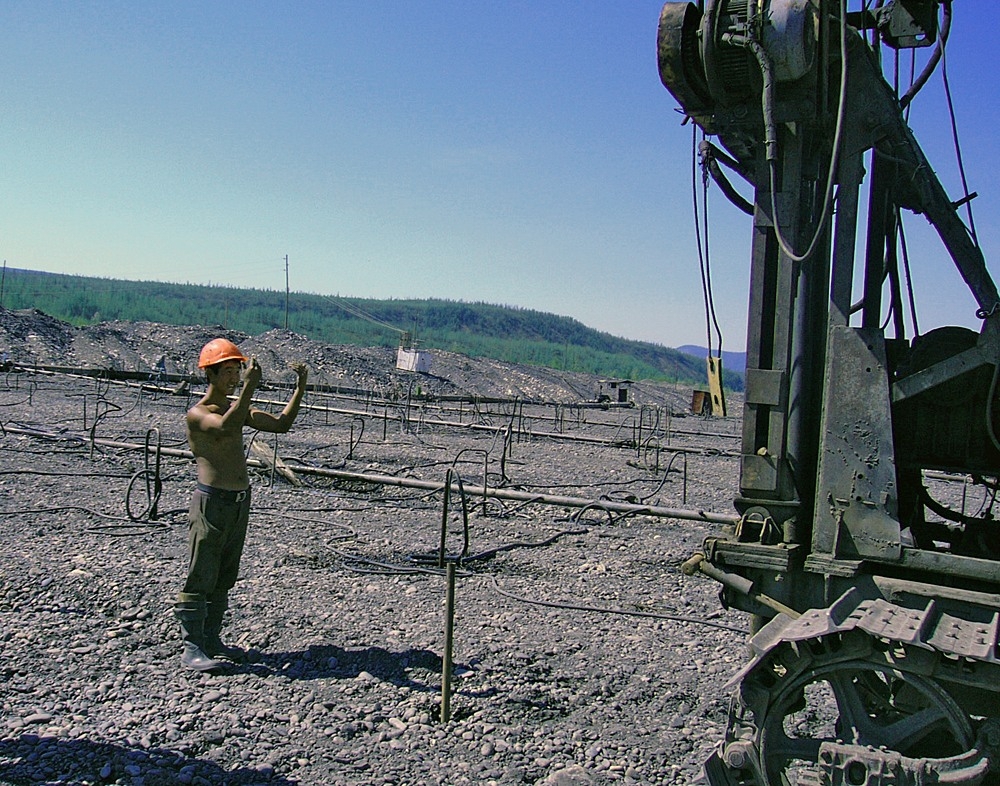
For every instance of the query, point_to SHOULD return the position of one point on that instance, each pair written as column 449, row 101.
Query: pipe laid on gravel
column 129, row 378
column 427, row 485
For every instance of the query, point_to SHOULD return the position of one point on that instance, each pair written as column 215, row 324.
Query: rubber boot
column 216, row 607
column 190, row 611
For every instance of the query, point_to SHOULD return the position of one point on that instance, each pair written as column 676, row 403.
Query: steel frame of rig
column 876, row 607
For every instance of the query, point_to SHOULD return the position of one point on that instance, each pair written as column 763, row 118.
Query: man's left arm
column 281, row 423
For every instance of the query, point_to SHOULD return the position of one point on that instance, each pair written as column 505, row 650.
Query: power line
column 360, row 313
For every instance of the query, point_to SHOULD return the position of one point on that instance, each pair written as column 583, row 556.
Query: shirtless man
column 220, row 506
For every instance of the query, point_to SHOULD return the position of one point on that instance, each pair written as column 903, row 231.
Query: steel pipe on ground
column 427, row 485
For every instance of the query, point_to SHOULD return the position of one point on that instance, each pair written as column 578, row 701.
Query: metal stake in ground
column 449, row 630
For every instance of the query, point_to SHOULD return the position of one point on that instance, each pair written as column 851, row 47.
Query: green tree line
column 476, row 329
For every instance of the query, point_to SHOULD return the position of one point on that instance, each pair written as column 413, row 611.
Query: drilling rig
column 875, row 606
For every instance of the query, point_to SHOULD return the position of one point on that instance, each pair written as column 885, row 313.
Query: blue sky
column 518, row 153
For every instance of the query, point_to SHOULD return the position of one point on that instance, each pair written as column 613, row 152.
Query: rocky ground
column 581, row 653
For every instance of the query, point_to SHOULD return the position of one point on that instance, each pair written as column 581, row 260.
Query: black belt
column 224, row 494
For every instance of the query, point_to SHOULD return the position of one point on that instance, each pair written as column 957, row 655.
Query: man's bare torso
column 219, row 455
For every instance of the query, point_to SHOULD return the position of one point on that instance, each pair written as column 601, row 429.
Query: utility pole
column 286, row 291
column 3, row 278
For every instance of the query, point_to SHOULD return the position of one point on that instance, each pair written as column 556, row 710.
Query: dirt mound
column 29, row 337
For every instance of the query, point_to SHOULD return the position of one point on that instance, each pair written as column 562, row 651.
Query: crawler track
column 867, row 692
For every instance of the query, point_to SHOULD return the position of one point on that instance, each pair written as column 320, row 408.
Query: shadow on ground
column 29, row 759
column 332, row 662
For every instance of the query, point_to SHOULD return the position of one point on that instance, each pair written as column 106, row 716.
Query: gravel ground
column 581, row 653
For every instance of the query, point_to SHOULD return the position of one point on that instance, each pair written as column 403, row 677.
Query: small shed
column 409, row 358
column 701, row 402
column 412, row 360
column 614, row 390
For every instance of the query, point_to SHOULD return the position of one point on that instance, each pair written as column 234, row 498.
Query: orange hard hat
column 218, row 350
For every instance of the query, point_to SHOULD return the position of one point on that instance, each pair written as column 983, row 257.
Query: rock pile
column 31, row 337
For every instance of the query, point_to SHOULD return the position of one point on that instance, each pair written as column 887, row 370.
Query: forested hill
column 477, row 329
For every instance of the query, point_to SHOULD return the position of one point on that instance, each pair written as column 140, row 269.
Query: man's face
column 227, row 375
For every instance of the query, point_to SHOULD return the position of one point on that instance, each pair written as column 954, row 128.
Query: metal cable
column 615, row 611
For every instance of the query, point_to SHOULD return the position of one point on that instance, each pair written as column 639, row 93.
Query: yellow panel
column 715, row 386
